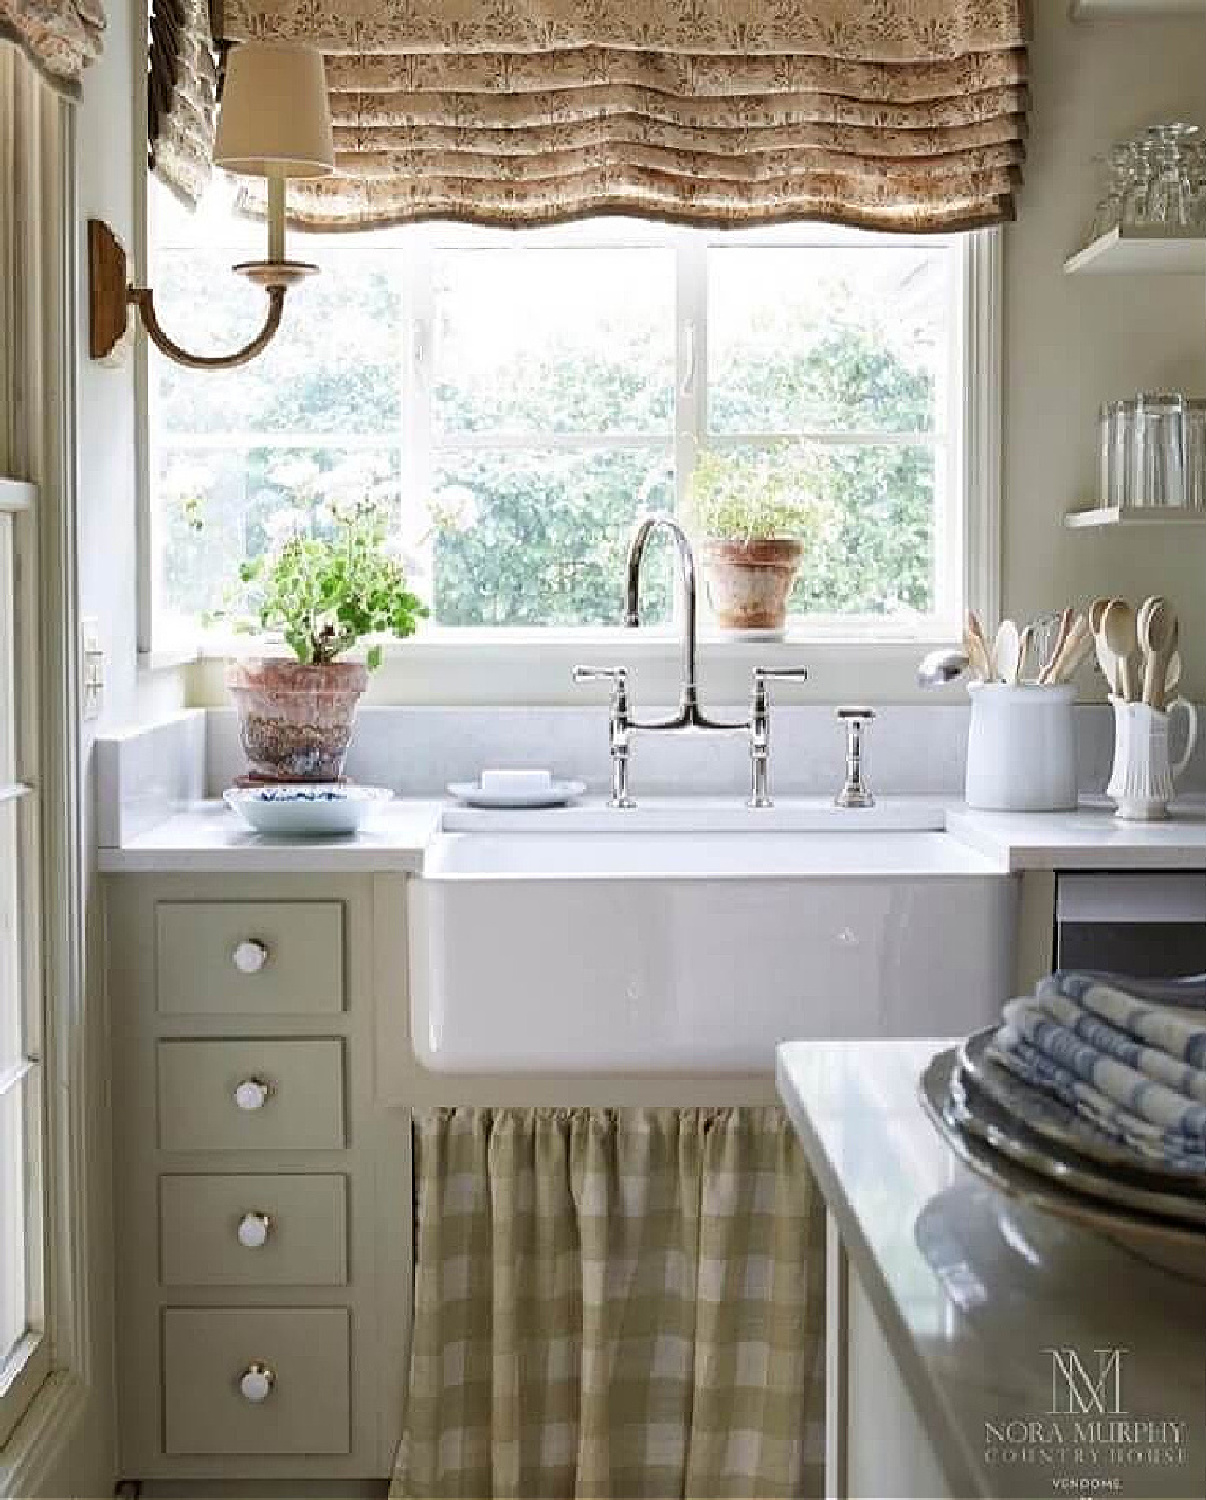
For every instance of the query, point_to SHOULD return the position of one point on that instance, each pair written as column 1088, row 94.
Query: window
column 518, row 399
column 23, row 1353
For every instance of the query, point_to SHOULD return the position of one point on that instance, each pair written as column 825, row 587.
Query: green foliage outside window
column 530, row 535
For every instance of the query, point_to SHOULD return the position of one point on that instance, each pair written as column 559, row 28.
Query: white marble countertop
column 1091, row 838
column 973, row 1289
column 207, row 838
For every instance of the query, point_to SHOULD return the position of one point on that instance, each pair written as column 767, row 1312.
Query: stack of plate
column 1034, row 1147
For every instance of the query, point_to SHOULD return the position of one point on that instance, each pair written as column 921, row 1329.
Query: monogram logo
column 1077, row 1392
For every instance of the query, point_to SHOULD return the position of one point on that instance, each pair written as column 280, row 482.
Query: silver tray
column 1032, row 1187
column 974, row 1111
column 1047, row 1117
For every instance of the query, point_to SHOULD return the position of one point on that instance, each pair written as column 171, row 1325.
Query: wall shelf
column 1118, row 515
column 1141, row 250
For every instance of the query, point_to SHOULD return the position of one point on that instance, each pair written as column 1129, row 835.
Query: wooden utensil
column 1096, row 611
column 1172, row 677
column 1025, row 646
column 1006, row 653
column 1061, row 635
column 1076, row 648
column 1118, row 627
column 977, row 648
column 1159, row 633
column 1106, row 659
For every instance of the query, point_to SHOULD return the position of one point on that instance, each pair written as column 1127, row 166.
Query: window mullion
column 690, row 369
column 418, row 375
column 691, row 360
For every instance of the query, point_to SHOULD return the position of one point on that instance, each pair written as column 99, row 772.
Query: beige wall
column 1072, row 342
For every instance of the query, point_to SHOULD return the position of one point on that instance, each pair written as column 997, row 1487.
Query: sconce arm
column 143, row 298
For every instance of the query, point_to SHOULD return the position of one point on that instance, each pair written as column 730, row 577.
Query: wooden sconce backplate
column 106, row 290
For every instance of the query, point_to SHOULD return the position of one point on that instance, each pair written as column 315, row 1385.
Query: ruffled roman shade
column 906, row 115
column 182, row 81
column 60, row 37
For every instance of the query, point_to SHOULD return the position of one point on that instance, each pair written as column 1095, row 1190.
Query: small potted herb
column 324, row 594
column 755, row 514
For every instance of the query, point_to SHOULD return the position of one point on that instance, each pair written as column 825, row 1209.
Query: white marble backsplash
column 145, row 774
column 910, row 750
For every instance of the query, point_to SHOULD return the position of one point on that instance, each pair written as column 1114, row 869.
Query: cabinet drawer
column 270, row 1230
column 251, row 1095
column 249, row 957
column 206, row 1354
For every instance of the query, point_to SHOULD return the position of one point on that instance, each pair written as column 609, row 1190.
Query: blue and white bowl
column 315, row 809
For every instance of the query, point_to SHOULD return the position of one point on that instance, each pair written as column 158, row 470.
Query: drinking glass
column 1157, row 469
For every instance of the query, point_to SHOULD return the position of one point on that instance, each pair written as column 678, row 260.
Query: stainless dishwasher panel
column 1149, row 925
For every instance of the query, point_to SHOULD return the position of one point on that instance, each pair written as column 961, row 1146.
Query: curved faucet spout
column 688, row 704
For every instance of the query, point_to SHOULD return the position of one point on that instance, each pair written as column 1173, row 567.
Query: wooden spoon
column 1159, row 633
column 1106, row 659
column 1121, row 636
column 1172, row 678
column 1061, row 636
column 1076, row 648
column 1025, row 647
column 977, row 648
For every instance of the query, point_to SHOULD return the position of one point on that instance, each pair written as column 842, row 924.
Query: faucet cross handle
column 619, row 726
column 760, row 729
column 616, row 675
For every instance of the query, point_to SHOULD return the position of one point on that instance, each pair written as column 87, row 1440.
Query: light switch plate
column 92, row 665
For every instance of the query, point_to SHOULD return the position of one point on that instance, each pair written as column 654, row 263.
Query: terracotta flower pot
column 295, row 721
column 749, row 582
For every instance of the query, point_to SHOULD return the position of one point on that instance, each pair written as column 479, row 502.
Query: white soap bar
column 516, row 783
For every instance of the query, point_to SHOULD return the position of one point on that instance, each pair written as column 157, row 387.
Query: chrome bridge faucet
column 688, row 716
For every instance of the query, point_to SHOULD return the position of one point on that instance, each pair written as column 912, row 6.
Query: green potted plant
column 754, row 514
column 324, row 594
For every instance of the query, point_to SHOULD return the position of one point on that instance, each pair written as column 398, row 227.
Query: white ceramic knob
column 253, row 1230
column 256, row 1382
column 252, row 1093
column 249, row 956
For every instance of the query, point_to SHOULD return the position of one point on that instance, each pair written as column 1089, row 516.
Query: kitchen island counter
column 960, row 1319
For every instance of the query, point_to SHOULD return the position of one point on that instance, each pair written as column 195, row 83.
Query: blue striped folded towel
column 1154, row 1040
column 1150, row 1144
column 1140, row 1094
column 1161, row 1013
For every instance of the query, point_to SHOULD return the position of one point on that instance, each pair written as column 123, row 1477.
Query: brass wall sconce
column 275, row 123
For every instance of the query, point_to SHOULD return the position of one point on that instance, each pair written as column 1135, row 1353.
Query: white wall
column 1073, row 342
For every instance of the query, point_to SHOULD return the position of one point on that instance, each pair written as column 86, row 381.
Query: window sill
column 514, row 668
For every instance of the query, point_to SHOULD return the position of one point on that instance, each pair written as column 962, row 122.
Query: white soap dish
column 516, row 789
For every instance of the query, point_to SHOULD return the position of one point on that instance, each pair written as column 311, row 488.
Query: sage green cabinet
column 263, row 1199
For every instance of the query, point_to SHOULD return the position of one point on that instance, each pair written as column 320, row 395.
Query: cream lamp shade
column 275, row 119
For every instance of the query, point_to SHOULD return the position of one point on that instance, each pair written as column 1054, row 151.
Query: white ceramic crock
column 1144, row 773
column 1021, row 748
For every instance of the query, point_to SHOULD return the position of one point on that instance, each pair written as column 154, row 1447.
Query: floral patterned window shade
column 907, row 115
column 60, row 37
column 182, row 79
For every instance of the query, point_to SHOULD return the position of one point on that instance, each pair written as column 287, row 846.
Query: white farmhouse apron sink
column 555, row 946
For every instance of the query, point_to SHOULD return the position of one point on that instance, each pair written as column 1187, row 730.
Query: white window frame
column 63, row 1386
column 28, row 1364
column 461, row 664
